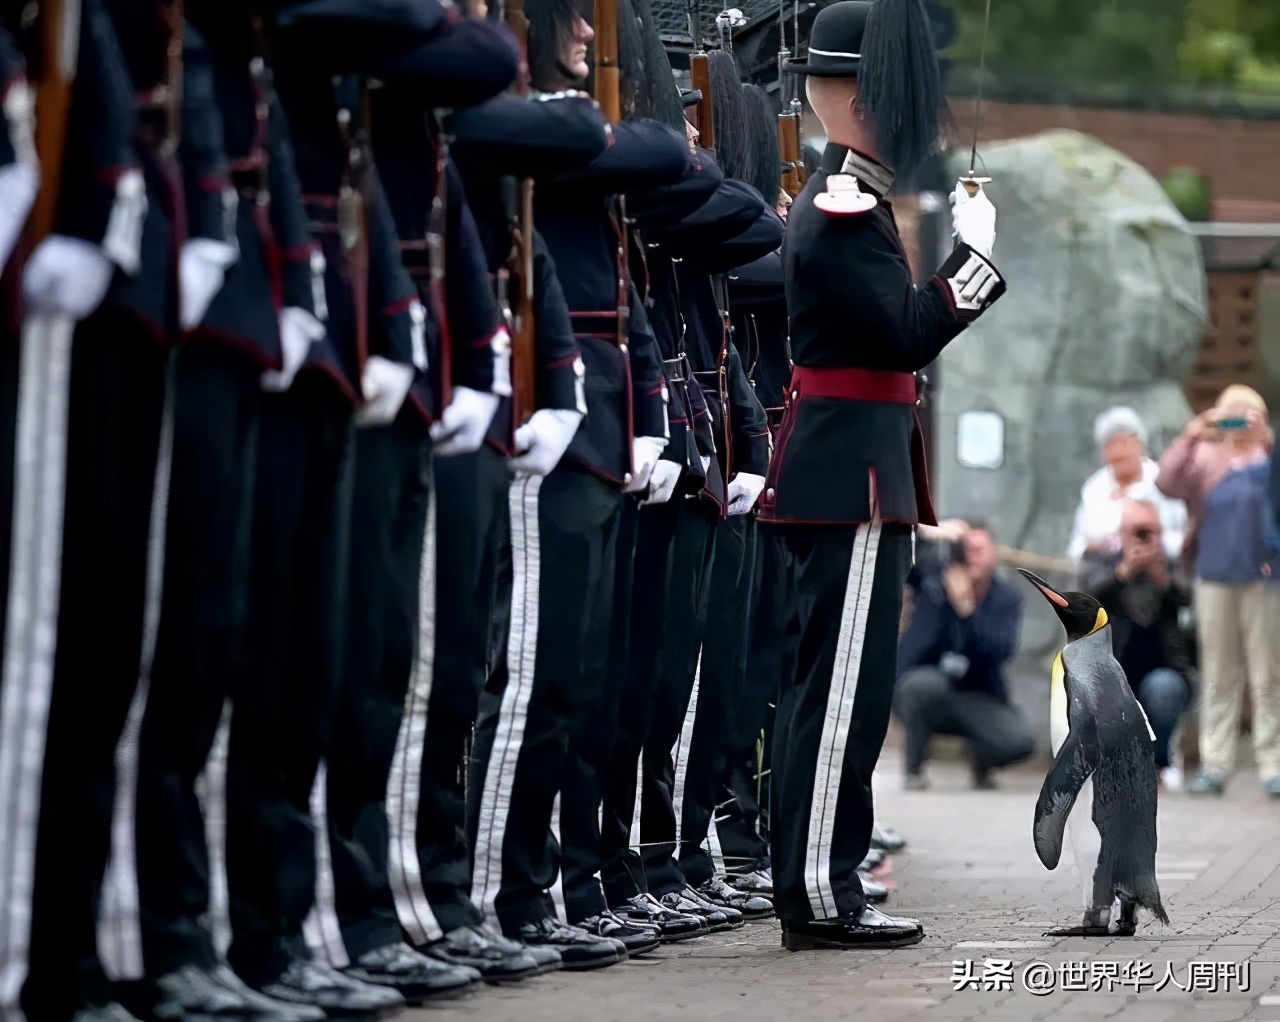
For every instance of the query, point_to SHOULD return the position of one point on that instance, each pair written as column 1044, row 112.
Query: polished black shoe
column 758, row 881
column 579, row 950
column 646, row 910
column 413, row 975
column 872, row 929
column 717, row 920
column 638, row 940
column 720, row 894
column 887, row 839
column 497, row 959
column 340, row 996
column 875, row 858
column 192, row 992
column 872, row 889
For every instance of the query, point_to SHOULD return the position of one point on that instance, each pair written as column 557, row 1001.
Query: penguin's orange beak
column 1046, row 590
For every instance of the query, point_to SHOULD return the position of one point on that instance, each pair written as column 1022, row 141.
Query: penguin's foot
column 1124, row 929
column 1079, row 931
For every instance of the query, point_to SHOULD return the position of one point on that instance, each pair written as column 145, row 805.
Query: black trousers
column 283, row 703
column 592, row 745
column 721, row 690
column 117, row 388
column 743, row 823
column 693, row 558
column 472, row 527
column 199, row 646
column 834, row 711
column 564, row 531
column 927, row 704
column 388, row 520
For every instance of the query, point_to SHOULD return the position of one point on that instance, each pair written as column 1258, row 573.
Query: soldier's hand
column 299, row 329
column 463, row 425
column 974, row 220
column 385, row 384
column 645, row 452
column 662, row 483
column 19, row 182
column 744, row 491
column 202, row 267
column 542, row 441
column 66, row 275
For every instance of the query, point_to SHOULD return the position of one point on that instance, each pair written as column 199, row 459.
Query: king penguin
column 1104, row 757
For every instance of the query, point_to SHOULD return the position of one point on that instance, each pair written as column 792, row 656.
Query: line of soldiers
column 370, row 548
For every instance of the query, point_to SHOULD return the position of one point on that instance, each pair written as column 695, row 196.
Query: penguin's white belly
column 1058, row 728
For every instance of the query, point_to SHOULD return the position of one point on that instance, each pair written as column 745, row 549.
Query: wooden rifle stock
column 789, row 143
column 58, row 35
column 519, row 307
column 700, row 80
column 607, row 73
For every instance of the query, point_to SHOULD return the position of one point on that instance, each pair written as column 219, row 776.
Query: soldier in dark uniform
column 359, row 374
column 848, row 483
column 548, row 694
column 107, row 272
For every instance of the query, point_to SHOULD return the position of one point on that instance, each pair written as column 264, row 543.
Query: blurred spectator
column 1146, row 611
column 1126, row 473
column 1219, row 466
column 951, row 661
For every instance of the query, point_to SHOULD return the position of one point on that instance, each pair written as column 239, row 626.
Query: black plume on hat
column 899, row 83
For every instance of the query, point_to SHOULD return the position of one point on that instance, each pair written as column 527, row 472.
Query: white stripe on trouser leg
column 39, row 480
column 680, row 754
column 522, row 651
column 712, row 844
column 321, row 928
column 835, row 725
column 119, row 928
column 211, row 788
column 404, row 784
column 557, row 887
column 635, row 809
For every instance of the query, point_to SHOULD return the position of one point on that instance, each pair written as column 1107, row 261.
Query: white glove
column 298, row 331
column 202, row 267
column 662, row 483
column 542, row 441
column 67, row 276
column 706, row 462
column 385, row 384
column 18, row 184
column 645, row 452
column 463, row 425
column 744, row 491
column 974, row 220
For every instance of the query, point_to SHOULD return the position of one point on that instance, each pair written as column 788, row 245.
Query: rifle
column 607, row 73
column 700, row 78
column 790, row 108
column 518, row 202
column 58, row 50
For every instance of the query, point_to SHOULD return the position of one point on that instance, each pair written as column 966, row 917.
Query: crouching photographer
column 952, row 657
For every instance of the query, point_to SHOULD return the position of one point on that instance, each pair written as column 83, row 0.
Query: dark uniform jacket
column 577, row 217
column 758, row 304
column 854, row 307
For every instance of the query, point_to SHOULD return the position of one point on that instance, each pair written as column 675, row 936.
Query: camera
column 956, row 553
column 1144, row 534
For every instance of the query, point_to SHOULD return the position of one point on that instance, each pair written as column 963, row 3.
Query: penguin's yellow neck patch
column 1100, row 623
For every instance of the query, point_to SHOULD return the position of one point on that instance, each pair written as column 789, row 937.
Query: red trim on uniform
column 212, row 184
column 110, row 176
column 299, row 253
column 560, row 363
column 854, row 385
column 655, row 390
column 948, row 296
column 403, row 305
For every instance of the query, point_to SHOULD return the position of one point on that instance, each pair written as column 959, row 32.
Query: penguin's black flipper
column 1076, row 760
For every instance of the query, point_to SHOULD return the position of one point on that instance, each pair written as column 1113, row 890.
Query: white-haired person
column 1127, row 473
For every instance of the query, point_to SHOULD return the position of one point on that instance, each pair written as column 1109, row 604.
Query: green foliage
column 1190, row 192
column 1224, row 44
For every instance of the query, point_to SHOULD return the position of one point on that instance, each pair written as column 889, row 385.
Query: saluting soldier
column 848, row 481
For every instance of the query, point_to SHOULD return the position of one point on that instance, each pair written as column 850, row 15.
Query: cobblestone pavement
column 971, row 875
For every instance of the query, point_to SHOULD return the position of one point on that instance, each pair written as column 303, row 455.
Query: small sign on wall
column 980, row 440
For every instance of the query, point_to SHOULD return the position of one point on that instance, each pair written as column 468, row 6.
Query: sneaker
column 1171, row 778
column 490, row 954
column 579, row 950
column 1205, row 783
column 720, row 894
column 758, row 881
column 415, row 976
column 637, row 939
column 915, row 782
column 875, row 858
column 717, row 920
column 306, row 981
column 646, row 910
column 1272, row 786
column 886, row 839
